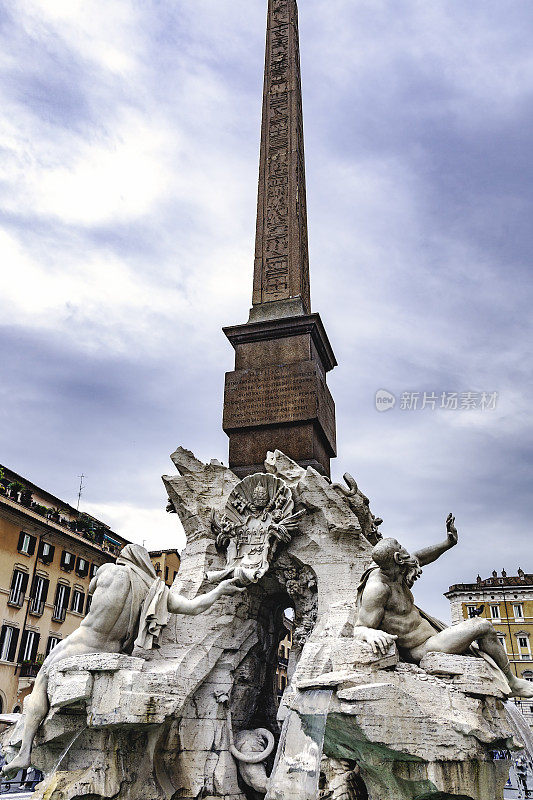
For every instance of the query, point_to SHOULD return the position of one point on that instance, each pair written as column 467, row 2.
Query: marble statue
column 130, row 606
column 387, row 613
column 251, row 749
column 258, row 516
column 372, row 707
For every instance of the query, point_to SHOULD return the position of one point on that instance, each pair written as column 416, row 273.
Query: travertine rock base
column 154, row 726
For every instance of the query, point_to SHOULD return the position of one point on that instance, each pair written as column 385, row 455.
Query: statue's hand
column 379, row 641
column 231, row 586
column 281, row 532
column 453, row 536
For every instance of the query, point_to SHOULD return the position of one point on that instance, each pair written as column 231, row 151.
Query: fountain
column 197, row 717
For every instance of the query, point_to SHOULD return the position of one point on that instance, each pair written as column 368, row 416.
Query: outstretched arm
column 177, row 604
column 429, row 554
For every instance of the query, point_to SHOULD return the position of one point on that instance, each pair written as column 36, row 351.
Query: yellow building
column 48, row 554
column 508, row 602
column 166, row 564
column 284, row 650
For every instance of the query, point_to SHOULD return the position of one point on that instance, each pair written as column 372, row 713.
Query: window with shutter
column 78, row 600
column 26, row 641
column 26, row 544
column 5, row 641
column 46, row 552
column 34, row 646
column 61, row 602
column 8, row 642
column 19, row 584
column 14, row 641
column 39, row 594
column 67, row 561
column 82, row 567
column 53, row 641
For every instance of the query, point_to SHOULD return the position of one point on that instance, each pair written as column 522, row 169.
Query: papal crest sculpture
column 257, row 517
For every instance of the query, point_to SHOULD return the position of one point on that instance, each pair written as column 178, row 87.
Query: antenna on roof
column 81, row 477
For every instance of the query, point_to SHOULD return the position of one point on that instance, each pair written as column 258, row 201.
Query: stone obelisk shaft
column 277, row 396
column 281, row 269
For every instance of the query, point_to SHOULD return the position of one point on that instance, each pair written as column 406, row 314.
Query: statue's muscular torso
column 106, row 625
column 399, row 615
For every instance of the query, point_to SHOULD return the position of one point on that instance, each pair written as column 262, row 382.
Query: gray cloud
column 129, row 153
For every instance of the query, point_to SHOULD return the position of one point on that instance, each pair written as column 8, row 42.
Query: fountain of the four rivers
column 165, row 694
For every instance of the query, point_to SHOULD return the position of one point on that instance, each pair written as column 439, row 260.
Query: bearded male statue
column 387, row 612
column 130, row 607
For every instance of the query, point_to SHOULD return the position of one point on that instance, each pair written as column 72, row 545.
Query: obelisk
column 277, row 397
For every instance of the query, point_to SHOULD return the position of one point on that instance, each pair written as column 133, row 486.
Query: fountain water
column 521, row 728
column 65, row 751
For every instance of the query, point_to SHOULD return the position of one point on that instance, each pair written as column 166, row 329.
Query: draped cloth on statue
column 148, row 599
column 437, row 625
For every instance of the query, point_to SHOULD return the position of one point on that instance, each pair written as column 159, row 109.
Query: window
column 471, row 611
column 67, row 561
column 522, row 641
column 19, row 584
column 53, row 641
column 528, row 675
column 46, row 552
column 78, row 601
column 61, row 602
column 26, row 544
column 82, row 567
column 8, row 642
column 495, row 612
column 88, row 603
column 93, row 570
column 518, row 611
column 502, row 641
column 38, row 594
column 166, row 574
column 28, row 646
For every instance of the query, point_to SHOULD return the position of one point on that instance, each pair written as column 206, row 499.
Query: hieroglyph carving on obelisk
column 281, row 270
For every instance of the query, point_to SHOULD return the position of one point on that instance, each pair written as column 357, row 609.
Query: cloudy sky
column 129, row 152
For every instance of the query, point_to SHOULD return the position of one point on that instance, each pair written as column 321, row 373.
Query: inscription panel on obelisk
column 278, row 394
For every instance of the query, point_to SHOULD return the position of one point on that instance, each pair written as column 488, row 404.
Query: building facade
column 166, row 564
column 284, row 651
column 49, row 552
column 507, row 600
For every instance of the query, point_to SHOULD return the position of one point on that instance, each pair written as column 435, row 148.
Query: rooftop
column 18, row 494
column 495, row 581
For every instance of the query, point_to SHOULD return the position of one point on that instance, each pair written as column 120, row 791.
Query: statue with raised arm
column 130, row 607
column 387, row 612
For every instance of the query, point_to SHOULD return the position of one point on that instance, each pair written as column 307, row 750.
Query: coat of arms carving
column 258, row 517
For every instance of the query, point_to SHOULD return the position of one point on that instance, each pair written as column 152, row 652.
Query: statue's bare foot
column 521, row 688
column 19, row 762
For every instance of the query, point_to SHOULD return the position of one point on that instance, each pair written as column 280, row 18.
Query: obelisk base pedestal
column 277, row 397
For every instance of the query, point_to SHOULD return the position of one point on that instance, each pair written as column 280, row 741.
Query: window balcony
column 29, row 669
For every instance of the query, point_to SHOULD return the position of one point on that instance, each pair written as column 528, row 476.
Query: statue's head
column 260, row 496
column 390, row 556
